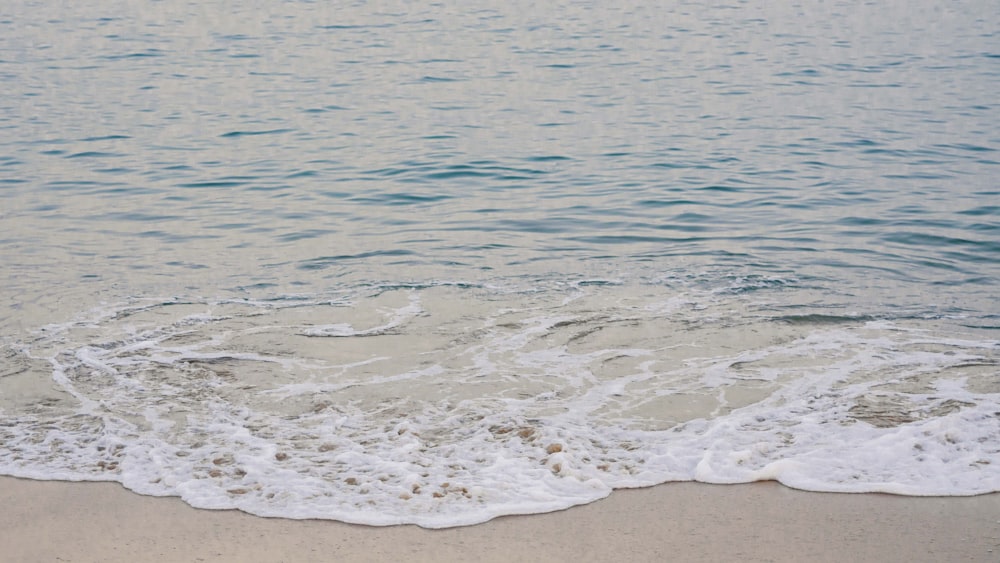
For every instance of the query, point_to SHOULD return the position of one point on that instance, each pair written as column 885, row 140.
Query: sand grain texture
column 57, row 521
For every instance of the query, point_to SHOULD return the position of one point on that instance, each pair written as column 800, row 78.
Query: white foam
column 450, row 411
column 397, row 318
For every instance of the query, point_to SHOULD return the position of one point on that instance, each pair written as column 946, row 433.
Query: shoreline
column 765, row 521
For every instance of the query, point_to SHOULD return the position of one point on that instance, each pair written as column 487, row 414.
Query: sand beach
column 83, row 522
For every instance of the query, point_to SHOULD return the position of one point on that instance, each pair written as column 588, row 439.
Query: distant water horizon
column 394, row 264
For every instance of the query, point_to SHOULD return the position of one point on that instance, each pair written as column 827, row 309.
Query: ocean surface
column 404, row 262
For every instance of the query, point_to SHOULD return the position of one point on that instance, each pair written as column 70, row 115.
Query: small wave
column 450, row 404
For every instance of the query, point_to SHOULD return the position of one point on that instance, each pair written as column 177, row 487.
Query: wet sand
column 58, row 521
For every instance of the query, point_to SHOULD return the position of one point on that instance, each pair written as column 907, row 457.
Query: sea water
column 403, row 262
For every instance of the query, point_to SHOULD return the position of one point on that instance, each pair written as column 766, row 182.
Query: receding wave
column 450, row 404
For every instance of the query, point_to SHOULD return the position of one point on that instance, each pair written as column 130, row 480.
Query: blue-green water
column 243, row 243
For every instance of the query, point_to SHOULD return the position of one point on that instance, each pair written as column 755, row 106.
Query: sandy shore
column 55, row 521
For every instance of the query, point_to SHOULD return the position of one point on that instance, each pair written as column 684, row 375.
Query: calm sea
column 404, row 262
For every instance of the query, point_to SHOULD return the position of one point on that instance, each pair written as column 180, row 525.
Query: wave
column 450, row 404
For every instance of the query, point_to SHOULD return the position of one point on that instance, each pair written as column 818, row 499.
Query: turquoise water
column 561, row 250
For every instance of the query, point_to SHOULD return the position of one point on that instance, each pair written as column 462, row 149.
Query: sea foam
column 446, row 405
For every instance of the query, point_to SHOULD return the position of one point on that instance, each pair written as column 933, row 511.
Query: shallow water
column 396, row 263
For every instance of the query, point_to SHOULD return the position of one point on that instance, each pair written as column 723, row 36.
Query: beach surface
column 60, row 521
